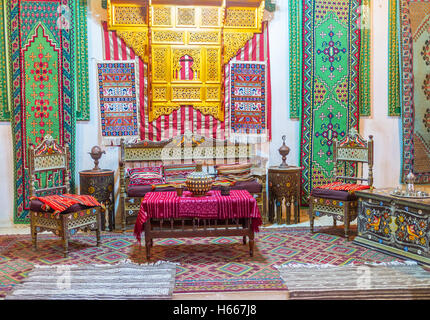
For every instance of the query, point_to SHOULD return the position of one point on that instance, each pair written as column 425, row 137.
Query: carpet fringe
column 321, row 266
column 119, row 263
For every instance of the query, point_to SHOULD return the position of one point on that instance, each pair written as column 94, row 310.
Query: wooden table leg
column 251, row 243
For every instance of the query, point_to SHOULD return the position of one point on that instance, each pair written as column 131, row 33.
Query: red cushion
column 344, row 186
column 38, row 206
column 333, row 194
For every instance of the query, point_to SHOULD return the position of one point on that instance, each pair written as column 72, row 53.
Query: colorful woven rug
column 43, row 76
column 205, row 264
column 122, row 281
column 331, row 64
column 394, row 281
column 118, row 99
column 415, row 88
column 247, row 91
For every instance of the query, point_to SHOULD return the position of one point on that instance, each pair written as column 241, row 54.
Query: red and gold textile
column 344, row 186
column 60, row 203
column 166, row 205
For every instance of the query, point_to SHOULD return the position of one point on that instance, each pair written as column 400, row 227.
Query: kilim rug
column 394, row 281
column 43, row 76
column 204, row 264
column 118, row 100
column 122, row 281
column 330, row 84
column 415, row 88
column 247, row 96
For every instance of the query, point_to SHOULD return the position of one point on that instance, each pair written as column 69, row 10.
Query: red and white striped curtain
column 186, row 118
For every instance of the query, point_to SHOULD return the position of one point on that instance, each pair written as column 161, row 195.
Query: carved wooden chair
column 49, row 175
column 338, row 199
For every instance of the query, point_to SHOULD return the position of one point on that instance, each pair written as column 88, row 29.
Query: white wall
column 386, row 130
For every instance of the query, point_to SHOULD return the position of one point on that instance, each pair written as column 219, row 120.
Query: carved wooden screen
column 186, row 48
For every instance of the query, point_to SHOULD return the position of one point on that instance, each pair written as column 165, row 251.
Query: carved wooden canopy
column 186, row 45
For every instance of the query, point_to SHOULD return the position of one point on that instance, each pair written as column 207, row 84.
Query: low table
column 394, row 225
column 165, row 215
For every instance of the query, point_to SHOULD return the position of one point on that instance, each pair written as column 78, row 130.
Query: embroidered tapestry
column 43, row 77
column 297, row 42
column 394, row 103
column 118, row 94
column 415, row 88
column 330, row 89
column 248, row 112
column 4, row 107
column 256, row 50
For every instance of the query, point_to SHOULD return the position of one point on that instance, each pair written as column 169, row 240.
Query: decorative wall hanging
column 4, row 105
column 331, row 67
column 394, row 103
column 82, row 101
column 415, row 88
column 248, row 109
column 165, row 127
column 208, row 36
column 255, row 50
column 118, row 100
column 297, row 42
column 43, row 80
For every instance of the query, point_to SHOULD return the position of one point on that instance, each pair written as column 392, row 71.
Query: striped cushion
column 344, row 186
column 130, row 172
column 177, row 173
column 146, row 178
column 235, row 172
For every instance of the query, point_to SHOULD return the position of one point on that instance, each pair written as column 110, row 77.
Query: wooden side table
column 284, row 186
column 100, row 184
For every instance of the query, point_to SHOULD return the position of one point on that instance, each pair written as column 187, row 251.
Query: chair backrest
column 49, row 168
column 354, row 149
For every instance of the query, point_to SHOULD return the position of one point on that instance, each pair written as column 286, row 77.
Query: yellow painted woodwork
column 207, row 34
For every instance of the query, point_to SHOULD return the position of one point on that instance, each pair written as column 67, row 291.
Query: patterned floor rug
column 204, row 264
column 122, row 281
column 394, row 281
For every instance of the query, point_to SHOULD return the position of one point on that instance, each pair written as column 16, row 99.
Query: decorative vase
column 96, row 154
column 199, row 182
column 284, row 151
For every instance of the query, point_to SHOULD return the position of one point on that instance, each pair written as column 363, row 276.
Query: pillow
column 145, row 178
column 235, row 172
column 131, row 171
column 340, row 186
column 177, row 173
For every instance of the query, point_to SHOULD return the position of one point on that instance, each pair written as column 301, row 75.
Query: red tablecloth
column 165, row 205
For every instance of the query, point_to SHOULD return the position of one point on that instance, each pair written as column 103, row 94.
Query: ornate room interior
column 215, row 149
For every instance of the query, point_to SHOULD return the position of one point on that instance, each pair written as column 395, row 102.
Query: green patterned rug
column 332, row 58
column 48, row 64
column 205, row 264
